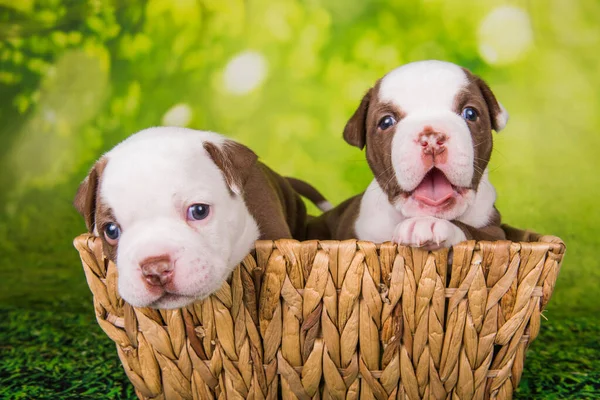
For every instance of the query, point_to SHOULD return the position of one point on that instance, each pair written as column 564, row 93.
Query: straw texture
column 340, row 320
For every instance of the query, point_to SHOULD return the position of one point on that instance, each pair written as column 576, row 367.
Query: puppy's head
column 427, row 127
column 167, row 205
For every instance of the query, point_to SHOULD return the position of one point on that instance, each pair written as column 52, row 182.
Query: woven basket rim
column 554, row 243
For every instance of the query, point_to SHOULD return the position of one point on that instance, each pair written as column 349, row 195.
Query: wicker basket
column 340, row 320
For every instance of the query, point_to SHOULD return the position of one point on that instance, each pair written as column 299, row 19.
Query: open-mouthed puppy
column 427, row 128
column 178, row 209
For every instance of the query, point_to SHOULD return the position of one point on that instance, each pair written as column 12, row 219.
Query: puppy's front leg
column 429, row 233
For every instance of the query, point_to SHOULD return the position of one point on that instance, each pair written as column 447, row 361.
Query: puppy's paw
column 428, row 232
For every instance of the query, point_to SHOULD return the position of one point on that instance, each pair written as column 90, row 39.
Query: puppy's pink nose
column 432, row 142
column 158, row 271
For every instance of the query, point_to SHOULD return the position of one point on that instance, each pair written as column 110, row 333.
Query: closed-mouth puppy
column 427, row 128
column 178, row 209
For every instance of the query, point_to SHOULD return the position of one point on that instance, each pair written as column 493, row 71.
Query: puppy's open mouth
column 435, row 190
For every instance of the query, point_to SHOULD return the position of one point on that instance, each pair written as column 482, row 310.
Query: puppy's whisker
column 478, row 159
column 391, row 177
column 479, row 170
column 385, row 172
column 388, row 169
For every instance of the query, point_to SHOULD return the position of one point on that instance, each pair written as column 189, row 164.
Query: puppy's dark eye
column 112, row 232
column 469, row 113
column 386, row 122
column 197, row 212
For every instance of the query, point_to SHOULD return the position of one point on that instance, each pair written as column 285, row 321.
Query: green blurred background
column 77, row 77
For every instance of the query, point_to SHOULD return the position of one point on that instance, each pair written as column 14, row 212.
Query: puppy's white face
column 427, row 94
column 427, row 128
column 174, row 224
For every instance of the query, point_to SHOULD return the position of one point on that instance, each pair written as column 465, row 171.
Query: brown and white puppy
column 178, row 209
column 427, row 128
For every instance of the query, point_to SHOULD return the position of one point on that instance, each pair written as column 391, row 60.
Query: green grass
column 54, row 355
column 563, row 362
column 65, row 355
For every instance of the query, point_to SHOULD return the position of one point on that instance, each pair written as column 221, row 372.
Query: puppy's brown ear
column 355, row 132
column 85, row 199
column 235, row 161
column 498, row 114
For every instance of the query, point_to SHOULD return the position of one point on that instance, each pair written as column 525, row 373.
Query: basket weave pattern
column 339, row 320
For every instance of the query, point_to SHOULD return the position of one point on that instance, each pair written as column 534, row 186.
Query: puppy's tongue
column 434, row 189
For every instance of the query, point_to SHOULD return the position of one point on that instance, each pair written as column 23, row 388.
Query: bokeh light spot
column 505, row 35
column 178, row 115
column 244, row 72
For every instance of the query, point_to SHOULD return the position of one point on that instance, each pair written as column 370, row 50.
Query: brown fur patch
column 335, row 224
column 105, row 216
column 355, row 129
column 233, row 159
column 275, row 206
column 361, row 130
column 307, row 190
column 492, row 231
column 479, row 96
column 92, row 208
column 85, row 199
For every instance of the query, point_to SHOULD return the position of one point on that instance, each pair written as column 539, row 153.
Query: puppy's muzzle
column 432, row 143
column 157, row 271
